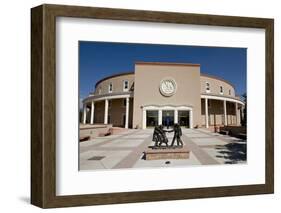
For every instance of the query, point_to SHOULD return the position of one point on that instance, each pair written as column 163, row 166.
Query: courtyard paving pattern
column 125, row 150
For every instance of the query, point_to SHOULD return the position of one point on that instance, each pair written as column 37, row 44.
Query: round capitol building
column 158, row 93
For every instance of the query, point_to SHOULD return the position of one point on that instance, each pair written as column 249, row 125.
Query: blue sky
column 100, row 59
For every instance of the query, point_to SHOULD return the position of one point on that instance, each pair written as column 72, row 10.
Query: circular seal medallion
column 168, row 87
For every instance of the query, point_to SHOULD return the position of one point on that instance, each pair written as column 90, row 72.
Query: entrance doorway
column 183, row 118
column 168, row 118
column 151, row 118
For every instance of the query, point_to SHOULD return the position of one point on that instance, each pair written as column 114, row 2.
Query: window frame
column 124, row 83
column 207, row 87
column 110, row 87
column 221, row 90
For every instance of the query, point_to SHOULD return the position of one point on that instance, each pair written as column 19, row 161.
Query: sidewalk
column 125, row 150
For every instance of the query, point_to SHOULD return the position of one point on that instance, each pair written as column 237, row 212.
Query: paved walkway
column 125, row 150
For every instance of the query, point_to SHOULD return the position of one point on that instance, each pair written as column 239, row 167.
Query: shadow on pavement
column 233, row 152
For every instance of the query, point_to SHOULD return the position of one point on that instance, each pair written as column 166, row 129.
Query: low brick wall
column 237, row 131
column 173, row 153
column 116, row 130
column 93, row 131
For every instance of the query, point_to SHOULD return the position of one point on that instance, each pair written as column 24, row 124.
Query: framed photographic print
column 136, row 106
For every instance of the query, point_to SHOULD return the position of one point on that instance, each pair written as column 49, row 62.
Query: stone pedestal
column 166, row 153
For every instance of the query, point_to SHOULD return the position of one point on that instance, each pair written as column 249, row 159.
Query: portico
column 167, row 115
column 217, row 110
column 105, row 106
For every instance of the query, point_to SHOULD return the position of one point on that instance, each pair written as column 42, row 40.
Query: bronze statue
column 159, row 136
column 177, row 135
column 156, row 135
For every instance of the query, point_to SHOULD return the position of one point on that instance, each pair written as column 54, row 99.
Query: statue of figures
column 159, row 136
column 163, row 136
column 156, row 136
column 177, row 135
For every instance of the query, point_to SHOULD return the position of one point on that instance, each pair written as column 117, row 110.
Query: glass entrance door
column 168, row 118
column 183, row 118
column 151, row 118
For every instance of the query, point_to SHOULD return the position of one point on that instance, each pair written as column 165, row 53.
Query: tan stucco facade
column 117, row 84
column 147, row 82
column 215, row 84
column 129, row 106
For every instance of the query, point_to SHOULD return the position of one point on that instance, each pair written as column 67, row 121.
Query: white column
column 176, row 120
column 225, row 113
column 84, row 113
column 92, row 112
column 242, row 113
column 105, row 111
column 190, row 119
column 160, row 117
column 127, row 113
column 237, row 110
column 206, row 113
column 143, row 118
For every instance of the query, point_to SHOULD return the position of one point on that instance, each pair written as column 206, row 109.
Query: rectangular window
column 124, row 102
column 125, row 85
column 229, row 92
column 183, row 118
column 221, row 90
column 208, row 87
column 109, row 103
column 151, row 118
column 110, row 87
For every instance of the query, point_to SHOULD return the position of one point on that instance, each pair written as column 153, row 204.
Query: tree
column 244, row 117
column 80, row 115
